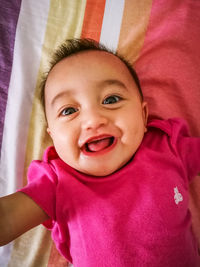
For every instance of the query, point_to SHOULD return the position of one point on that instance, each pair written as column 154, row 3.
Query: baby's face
column 94, row 111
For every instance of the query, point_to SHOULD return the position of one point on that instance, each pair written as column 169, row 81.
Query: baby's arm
column 18, row 214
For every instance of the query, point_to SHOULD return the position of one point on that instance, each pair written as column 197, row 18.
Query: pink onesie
column 138, row 216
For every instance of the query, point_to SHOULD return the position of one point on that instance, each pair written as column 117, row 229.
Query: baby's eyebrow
column 60, row 95
column 111, row 82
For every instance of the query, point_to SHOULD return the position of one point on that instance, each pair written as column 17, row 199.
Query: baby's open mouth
column 99, row 144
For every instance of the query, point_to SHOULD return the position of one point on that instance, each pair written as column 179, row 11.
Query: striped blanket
column 159, row 37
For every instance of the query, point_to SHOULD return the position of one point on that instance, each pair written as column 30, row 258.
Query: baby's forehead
column 94, row 64
column 90, row 56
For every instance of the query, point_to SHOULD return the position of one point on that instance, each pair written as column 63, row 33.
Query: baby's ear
column 48, row 131
column 145, row 114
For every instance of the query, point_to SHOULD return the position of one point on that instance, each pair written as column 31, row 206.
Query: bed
column 159, row 37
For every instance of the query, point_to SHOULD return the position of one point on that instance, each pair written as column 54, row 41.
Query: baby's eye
column 112, row 99
column 68, row 111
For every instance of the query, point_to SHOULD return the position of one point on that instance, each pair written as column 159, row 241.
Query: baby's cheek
column 130, row 135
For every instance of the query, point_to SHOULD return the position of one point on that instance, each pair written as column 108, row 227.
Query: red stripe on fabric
column 93, row 19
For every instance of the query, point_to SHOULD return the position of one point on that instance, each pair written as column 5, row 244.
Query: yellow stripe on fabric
column 134, row 26
column 65, row 21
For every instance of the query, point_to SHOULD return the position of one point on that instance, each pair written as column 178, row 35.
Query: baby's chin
column 99, row 173
column 103, row 171
column 100, row 165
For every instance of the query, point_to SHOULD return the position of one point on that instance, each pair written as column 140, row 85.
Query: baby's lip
column 95, row 138
column 84, row 146
column 98, row 145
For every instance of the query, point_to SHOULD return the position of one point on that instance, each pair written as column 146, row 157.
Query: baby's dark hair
column 74, row 46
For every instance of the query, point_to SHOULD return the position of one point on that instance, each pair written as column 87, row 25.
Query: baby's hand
column 18, row 214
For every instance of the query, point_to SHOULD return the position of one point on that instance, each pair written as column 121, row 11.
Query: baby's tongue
column 98, row 145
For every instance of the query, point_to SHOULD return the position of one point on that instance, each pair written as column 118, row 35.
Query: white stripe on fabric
column 5, row 253
column 26, row 61
column 111, row 26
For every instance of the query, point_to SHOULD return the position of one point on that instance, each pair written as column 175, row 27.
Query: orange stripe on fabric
column 93, row 19
column 133, row 29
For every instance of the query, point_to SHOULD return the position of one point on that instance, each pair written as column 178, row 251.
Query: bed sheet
column 159, row 37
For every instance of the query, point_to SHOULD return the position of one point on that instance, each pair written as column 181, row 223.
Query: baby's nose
column 94, row 120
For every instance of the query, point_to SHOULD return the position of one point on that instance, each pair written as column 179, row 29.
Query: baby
column 113, row 189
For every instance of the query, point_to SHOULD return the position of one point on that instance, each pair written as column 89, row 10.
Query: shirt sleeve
column 41, row 187
column 187, row 147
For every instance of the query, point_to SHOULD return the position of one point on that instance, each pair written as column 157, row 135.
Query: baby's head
column 94, row 108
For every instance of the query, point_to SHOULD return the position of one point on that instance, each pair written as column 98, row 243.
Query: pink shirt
column 138, row 216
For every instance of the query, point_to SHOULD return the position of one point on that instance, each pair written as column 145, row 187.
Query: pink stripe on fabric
column 169, row 70
column 169, row 63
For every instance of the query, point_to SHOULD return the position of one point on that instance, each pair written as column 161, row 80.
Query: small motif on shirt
column 177, row 196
